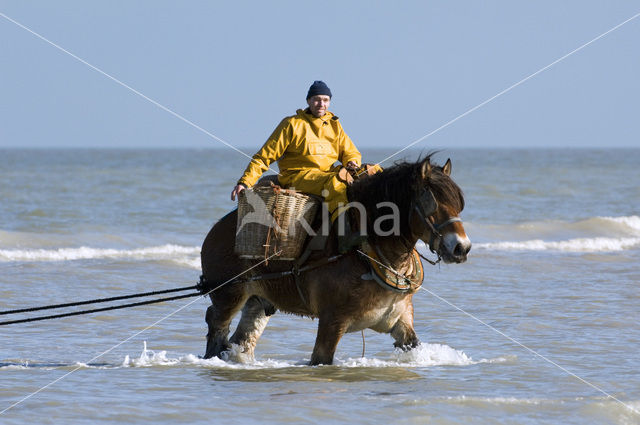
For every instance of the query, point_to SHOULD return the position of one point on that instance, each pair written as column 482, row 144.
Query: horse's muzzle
column 454, row 248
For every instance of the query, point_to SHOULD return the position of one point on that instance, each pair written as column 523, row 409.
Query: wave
column 580, row 245
column 594, row 226
column 631, row 221
column 573, row 245
column 596, row 234
column 535, row 401
column 180, row 254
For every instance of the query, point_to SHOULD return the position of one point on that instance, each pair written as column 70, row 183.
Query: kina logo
column 260, row 214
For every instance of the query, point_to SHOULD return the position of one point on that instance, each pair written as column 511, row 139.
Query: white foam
column 500, row 400
column 181, row 254
column 425, row 355
column 150, row 358
column 596, row 234
column 600, row 244
column 422, row 356
column 434, row 355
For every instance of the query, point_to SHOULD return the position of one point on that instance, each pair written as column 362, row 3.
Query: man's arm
column 271, row 151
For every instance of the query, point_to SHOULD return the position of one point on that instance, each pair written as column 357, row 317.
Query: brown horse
column 339, row 293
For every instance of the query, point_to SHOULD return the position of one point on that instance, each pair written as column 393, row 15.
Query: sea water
column 540, row 325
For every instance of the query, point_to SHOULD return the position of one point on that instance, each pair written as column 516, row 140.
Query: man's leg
column 334, row 191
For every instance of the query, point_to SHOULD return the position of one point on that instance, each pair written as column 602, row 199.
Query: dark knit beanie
column 318, row 87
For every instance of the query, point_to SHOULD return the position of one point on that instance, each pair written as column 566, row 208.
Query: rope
column 96, row 301
column 200, row 288
column 96, row 310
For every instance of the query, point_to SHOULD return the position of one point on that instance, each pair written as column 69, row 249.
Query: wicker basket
column 272, row 220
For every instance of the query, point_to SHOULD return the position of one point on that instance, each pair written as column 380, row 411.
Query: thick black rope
column 201, row 287
column 96, row 310
column 96, row 301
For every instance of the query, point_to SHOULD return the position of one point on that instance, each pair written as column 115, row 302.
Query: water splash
column 425, row 355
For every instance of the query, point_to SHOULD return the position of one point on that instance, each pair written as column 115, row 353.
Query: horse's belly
column 380, row 320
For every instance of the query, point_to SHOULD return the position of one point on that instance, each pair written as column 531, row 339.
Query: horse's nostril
column 461, row 250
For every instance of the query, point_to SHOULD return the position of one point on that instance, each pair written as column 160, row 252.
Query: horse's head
column 414, row 200
column 435, row 210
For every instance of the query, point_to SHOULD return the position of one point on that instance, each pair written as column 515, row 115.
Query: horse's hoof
column 216, row 350
column 407, row 346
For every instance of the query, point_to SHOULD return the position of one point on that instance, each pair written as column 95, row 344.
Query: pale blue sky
column 397, row 70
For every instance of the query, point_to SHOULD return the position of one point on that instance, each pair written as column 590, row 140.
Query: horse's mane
column 401, row 184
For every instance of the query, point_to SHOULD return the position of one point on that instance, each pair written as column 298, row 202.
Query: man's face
column 319, row 104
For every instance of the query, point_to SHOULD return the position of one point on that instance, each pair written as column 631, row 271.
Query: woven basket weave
column 270, row 219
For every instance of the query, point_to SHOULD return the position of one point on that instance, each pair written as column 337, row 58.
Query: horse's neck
column 396, row 252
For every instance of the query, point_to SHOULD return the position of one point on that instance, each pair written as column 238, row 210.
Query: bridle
column 426, row 205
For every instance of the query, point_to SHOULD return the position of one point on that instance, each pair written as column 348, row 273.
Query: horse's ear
column 425, row 169
column 447, row 167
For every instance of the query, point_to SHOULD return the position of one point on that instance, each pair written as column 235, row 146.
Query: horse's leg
column 224, row 305
column 255, row 316
column 403, row 332
column 330, row 330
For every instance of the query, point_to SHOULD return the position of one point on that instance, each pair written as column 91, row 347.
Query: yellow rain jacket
column 306, row 149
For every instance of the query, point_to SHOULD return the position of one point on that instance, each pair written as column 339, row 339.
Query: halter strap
column 435, row 228
column 448, row 222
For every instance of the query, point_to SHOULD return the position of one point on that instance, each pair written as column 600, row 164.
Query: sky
column 399, row 72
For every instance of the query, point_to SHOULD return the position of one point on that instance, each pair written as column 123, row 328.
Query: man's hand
column 352, row 165
column 236, row 190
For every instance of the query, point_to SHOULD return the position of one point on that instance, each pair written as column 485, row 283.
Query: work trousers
column 318, row 182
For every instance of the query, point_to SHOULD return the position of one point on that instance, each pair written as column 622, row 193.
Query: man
column 306, row 146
